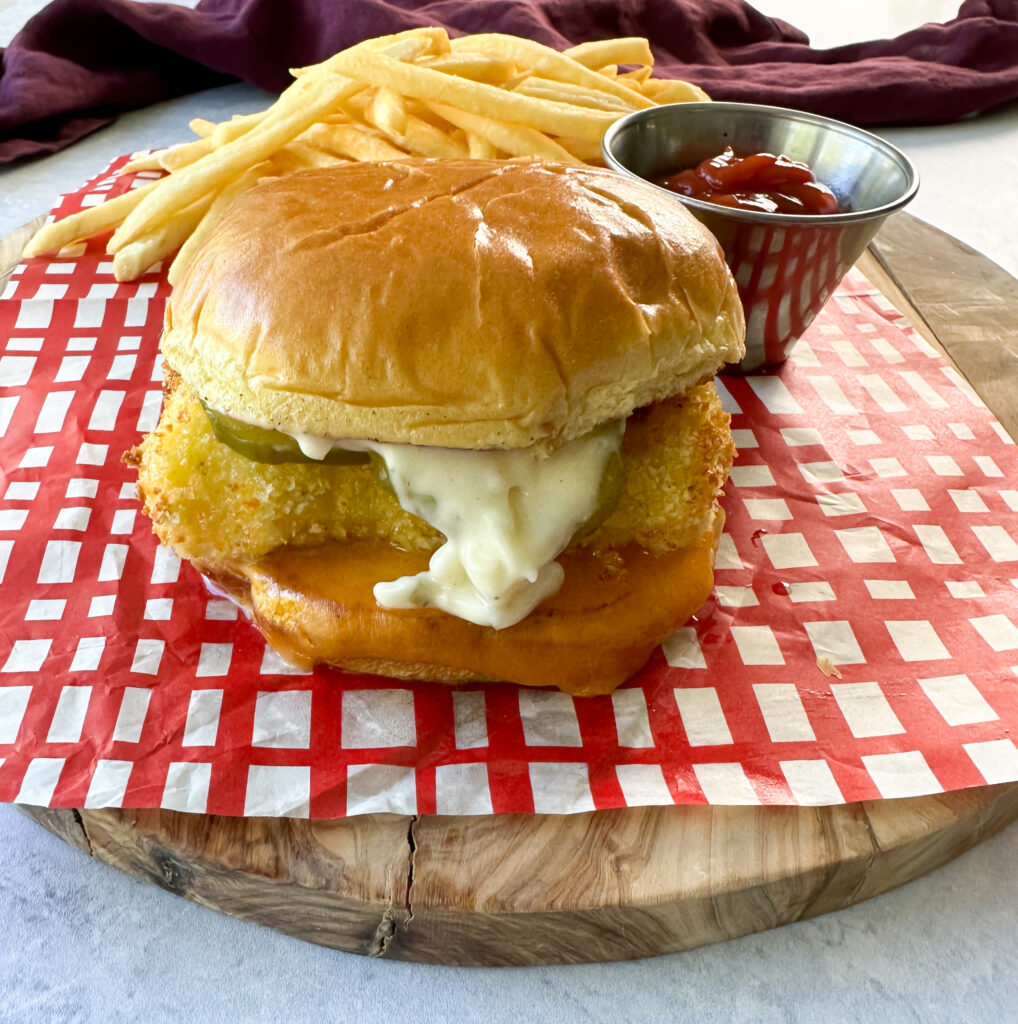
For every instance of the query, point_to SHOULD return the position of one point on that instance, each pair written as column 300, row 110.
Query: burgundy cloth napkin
column 78, row 62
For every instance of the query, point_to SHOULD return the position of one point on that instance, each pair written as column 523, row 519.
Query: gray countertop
column 85, row 943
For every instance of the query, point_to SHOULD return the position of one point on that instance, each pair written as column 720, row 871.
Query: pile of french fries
column 415, row 93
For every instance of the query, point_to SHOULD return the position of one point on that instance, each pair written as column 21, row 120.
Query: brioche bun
column 463, row 303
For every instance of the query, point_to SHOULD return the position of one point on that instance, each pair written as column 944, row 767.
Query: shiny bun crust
column 472, row 304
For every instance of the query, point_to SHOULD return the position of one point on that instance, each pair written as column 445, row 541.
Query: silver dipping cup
column 786, row 265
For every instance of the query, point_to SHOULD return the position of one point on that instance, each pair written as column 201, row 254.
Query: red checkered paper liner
column 860, row 643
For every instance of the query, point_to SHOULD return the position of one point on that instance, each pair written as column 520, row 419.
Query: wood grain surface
column 607, row 885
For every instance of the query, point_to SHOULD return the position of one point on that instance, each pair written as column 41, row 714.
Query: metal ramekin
column 786, row 265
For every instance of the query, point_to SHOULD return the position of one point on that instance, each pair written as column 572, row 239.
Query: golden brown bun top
column 467, row 303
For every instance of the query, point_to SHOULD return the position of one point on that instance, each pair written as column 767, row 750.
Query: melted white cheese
column 506, row 516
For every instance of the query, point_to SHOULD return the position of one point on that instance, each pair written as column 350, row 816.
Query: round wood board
column 608, row 885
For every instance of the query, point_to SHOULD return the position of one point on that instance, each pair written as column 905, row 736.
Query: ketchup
column 761, row 182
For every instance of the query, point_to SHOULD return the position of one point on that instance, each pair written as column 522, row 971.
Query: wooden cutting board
column 608, row 885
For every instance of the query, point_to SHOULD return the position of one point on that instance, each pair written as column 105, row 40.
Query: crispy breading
column 676, row 455
column 214, row 506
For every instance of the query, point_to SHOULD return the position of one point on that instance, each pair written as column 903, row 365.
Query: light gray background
column 84, row 943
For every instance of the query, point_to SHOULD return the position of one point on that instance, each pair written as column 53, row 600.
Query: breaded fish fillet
column 212, row 505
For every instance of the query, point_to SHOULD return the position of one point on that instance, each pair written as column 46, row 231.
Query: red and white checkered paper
column 871, row 526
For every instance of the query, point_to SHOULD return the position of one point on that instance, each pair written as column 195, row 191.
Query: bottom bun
column 315, row 606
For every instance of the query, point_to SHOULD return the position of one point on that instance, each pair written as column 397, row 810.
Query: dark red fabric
column 78, row 62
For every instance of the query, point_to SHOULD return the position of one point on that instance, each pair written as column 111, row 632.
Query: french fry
column 301, row 156
column 353, row 141
column 518, row 80
column 177, row 157
column 388, row 112
column 238, row 125
column 53, row 237
column 424, row 139
column 201, row 127
column 541, row 60
column 475, row 66
column 421, row 137
column 630, row 83
column 172, row 158
column 548, row 116
column 408, row 45
column 318, row 157
column 587, row 152
column 213, row 215
column 566, row 92
column 356, row 108
column 514, row 139
column 131, row 261
column 480, row 148
column 323, row 158
column 427, row 140
column 638, row 75
column 420, row 109
column 288, row 160
column 668, row 90
column 627, row 50
column 149, row 162
column 438, row 39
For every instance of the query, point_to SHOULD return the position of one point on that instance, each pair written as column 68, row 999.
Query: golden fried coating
column 676, row 455
column 214, row 506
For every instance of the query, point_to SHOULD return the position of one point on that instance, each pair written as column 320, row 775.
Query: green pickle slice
column 609, row 492
column 262, row 445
